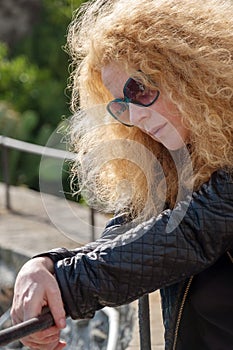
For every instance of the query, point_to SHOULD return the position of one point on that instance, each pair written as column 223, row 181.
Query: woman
column 163, row 162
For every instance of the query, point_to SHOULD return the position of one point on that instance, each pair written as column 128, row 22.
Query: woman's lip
column 156, row 131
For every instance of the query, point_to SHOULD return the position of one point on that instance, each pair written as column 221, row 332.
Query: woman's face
column 161, row 120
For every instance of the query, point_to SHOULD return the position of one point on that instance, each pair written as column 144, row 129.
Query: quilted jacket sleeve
column 130, row 261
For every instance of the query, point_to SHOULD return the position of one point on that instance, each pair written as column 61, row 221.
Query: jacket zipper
column 181, row 311
column 230, row 257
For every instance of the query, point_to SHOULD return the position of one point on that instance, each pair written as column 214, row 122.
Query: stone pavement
column 39, row 222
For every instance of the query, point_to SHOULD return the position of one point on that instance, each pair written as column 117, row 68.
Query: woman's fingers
column 36, row 287
column 46, row 336
column 55, row 304
column 58, row 345
column 49, row 295
column 48, row 339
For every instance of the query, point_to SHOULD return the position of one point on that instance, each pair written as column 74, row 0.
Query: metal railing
column 6, row 144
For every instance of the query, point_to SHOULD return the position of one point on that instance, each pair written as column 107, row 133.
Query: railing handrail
column 23, row 146
column 36, row 149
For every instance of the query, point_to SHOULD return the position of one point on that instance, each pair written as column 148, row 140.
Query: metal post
column 92, row 219
column 6, row 176
column 144, row 322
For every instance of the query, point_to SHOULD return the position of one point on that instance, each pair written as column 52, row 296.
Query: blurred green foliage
column 33, row 81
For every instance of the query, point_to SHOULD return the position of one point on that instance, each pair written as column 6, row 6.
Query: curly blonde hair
column 186, row 48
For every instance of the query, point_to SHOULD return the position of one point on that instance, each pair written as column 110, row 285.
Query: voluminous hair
column 186, row 48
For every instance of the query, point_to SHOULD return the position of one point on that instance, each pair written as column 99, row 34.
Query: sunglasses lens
column 120, row 111
column 138, row 93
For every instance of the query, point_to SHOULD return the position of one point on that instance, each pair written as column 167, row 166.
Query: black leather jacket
column 128, row 262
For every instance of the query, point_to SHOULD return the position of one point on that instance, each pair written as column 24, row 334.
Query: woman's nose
column 137, row 115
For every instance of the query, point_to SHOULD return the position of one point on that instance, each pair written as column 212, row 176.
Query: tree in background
column 33, row 80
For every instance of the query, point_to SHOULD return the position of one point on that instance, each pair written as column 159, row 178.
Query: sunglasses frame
column 126, row 100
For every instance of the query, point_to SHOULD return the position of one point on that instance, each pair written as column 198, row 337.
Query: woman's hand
column 36, row 287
